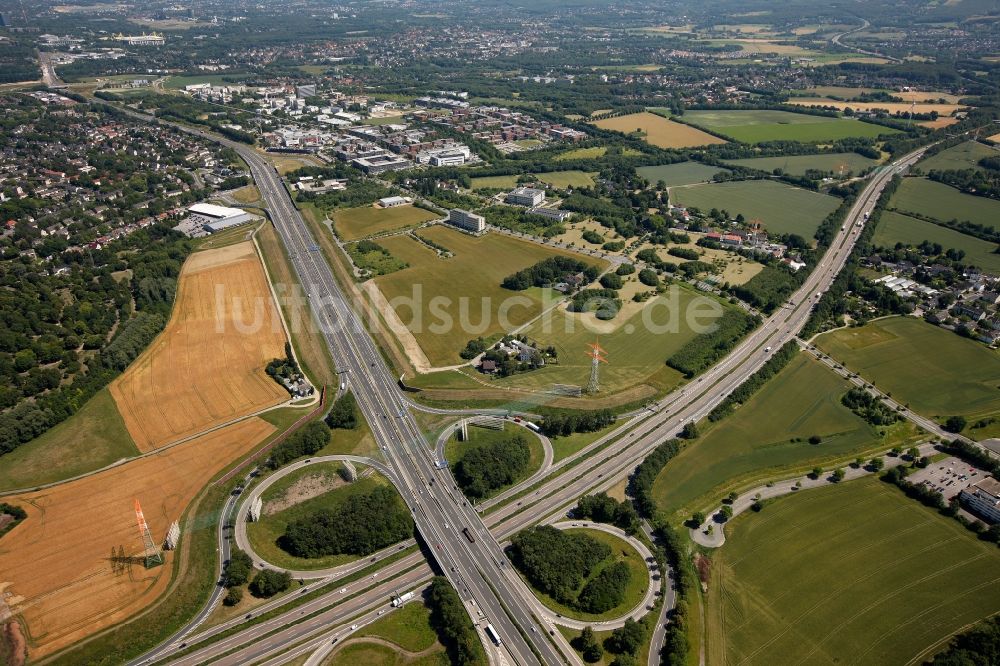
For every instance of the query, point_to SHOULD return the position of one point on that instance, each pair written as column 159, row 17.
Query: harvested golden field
column 659, row 131
column 207, row 367
column 939, row 123
column 57, row 563
column 891, row 107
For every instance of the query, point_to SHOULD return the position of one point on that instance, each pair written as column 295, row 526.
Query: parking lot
column 949, row 476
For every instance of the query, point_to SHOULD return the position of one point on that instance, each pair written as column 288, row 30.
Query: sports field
column 302, row 494
column 659, row 131
column 765, row 125
column 797, row 165
column 963, row 156
column 207, row 367
column 354, row 223
column 937, row 200
column 58, row 561
column 781, row 208
column 755, row 441
column 915, row 361
column 681, row 173
column 460, row 298
column 636, row 353
column 896, row 228
column 855, row 573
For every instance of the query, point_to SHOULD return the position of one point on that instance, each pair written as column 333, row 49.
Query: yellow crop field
column 207, row 367
column 57, row 565
column 659, row 131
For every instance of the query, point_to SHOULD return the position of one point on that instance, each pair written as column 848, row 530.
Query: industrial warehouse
column 204, row 219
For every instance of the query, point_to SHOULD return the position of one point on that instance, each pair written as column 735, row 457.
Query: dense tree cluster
column 563, row 423
column 269, row 582
column 237, row 569
column 769, row 288
column 557, row 562
column 453, row 625
column 868, row 407
column 549, row 272
column 17, row 513
column 605, row 590
column 704, row 350
column 344, row 413
column 491, row 466
column 604, row 303
column 305, row 441
column 362, row 524
column 603, row 509
column 979, row 646
column 641, row 482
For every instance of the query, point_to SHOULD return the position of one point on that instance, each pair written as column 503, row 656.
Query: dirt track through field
column 58, row 561
column 207, row 367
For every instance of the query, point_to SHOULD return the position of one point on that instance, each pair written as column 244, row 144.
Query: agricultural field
column 622, row 551
column 797, row 165
column 913, row 360
column 299, row 495
column 865, row 576
column 91, row 439
column 963, row 156
column 756, row 441
column 896, row 228
column 908, row 96
column 765, row 125
column 681, row 173
column 780, row 207
column 659, row 131
column 942, row 202
column 564, row 179
column 354, row 223
column 891, row 107
column 472, row 277
column 636, row 353
column 63, row 582
column 207, row 367
column 591, row 153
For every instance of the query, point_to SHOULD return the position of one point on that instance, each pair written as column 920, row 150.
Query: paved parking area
column 949, row 476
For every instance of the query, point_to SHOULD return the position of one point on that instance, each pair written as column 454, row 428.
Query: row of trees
column 305, row 441
column 603, row 509
column 360, row 525
column 486, row 468
column 344, row 413
column 754, row 382
column 704, row 350
column 565, row 423
column 548, row 272
column 453, row 625
column 868, row 407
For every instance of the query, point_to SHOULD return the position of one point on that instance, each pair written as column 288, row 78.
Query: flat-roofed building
column 526, row 196
column 463, row 219
column 983, row 499
column 552, row 213
column 214, row 218
column 392, row 202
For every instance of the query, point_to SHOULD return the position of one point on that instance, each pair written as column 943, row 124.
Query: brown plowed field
column 207, row 367
column 58, row 561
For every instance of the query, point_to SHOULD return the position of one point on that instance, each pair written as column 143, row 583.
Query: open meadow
column 207, row 367
column 680, row 173
column 915, row 361
column 896, row 228
column 58, row 562
column 783, row 209
column 933, row 199
column 767, row 436
column 758, row 126
column 659, row 131
column 465, row 287
column 855, row 573
column 354, row 223
column 963, row 156
column 797, row 165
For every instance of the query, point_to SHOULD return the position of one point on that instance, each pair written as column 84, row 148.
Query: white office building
column 983, row 499
column 526, row 196
column 463, row 219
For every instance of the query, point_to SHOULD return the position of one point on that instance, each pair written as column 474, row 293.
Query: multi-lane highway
column 476, row 565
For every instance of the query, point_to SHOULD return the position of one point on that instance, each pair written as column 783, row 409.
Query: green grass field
column 937, row 200
column 454, row 450
column 409, row 627
column 896, row 228
column 355, row 223
column 564, row 179
column 854, row 573
column 469, row 283
column 797, row 165
column 765, row 125
column 963, row 156
column 500, row 182
column 90, row 439
column 682, row 173
column 263, row 534
column 782, row 208
column 754, row 442
column 622, row 551
column 933, row 370
column 375, row 654
column 591, row 153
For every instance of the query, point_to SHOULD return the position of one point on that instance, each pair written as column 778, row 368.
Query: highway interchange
column 479, row 569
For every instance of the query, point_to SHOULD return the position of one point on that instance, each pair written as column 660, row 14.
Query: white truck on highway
column 402, row 599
